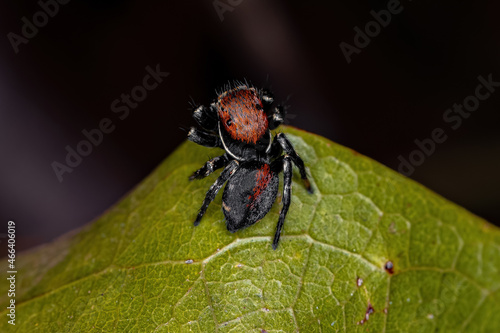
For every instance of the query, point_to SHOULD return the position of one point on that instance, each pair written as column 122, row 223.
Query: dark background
column 394, row 91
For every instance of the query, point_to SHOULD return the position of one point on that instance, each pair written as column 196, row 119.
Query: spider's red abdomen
column 263, row 177
column 241, row 112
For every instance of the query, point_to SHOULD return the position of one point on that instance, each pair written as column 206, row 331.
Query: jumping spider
column 239, row 121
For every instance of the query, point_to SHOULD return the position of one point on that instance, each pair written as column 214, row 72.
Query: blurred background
column 64, row 78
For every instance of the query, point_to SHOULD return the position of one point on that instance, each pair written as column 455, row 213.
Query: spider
column 239, row 121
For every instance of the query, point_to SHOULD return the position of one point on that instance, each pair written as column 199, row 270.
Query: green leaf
column 144, row 267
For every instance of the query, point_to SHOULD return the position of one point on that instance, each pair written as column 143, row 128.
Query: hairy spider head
column 241, row 113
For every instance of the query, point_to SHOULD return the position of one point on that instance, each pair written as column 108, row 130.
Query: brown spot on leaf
column 389, row 267
column 369, row 311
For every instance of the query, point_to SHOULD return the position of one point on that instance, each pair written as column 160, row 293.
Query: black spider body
column 239, row 121
column 249, row 195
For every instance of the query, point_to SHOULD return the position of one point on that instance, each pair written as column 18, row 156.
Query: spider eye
column 229, row 122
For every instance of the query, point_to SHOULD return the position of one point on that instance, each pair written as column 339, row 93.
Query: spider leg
column 285, row 163
column 214, row 189
column 206, row 117
column 280, row 143
column 209, row 167
column 267, row 97
column 203, row 138
column 276, row 117
column 276, row 149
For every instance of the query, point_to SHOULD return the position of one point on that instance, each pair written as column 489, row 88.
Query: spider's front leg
column 280, row 143
column 267, row 98
column 209, row 167
column 214, row 189
column 204, row 138
column 276, row 117
column 206, row 117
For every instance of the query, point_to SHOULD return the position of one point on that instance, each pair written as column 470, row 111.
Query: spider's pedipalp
column 203, row 138
column 206, row 117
